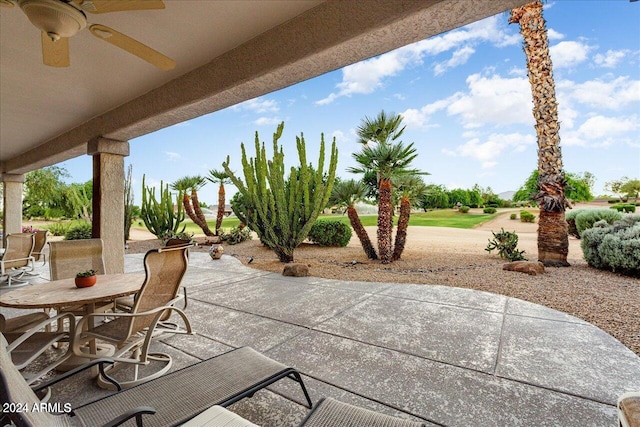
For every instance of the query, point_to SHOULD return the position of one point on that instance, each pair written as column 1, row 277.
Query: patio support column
column 108, row 198
column 12, row 202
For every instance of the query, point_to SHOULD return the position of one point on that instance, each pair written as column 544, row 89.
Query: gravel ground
column 453, row 257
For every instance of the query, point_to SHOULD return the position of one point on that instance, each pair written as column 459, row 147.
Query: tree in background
column 387, row 158
column 221, row 177
column 411, row 189
column 191, row 204
column 78, row 200
column 631, row 188
column 615, row 186
column 578, row 187
column 281, row 211
column 348, row 193
column 435, row 197
column 43, row 189
column 459, row 196
column 553, row 237
column 129, row 208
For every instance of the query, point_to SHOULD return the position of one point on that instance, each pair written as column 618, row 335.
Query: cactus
column 160, row 217
column 281, row 211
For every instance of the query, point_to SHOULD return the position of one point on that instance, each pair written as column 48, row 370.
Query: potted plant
column 85, row 279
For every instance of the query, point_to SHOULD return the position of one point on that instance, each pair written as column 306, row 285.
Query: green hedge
column 614, row 246
column 526, row 216
column 490, row 210
column 79, row 232
column 330, row 233
column 624, row 207
column 463, row 209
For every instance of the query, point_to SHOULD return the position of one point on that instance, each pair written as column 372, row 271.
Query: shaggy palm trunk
column 553, row 237
column 202, row 221
column 385, row 221
column 186, row 202
column 401, row 232
column 357, row 226
column 221, row 200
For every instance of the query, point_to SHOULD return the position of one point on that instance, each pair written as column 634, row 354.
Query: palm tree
column 348, row 193
column 553, row 236
column 219, row 176
column 388, row 158
column 192, row 205
column 411, row 189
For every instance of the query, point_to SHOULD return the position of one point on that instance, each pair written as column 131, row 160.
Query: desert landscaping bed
column 455, row 257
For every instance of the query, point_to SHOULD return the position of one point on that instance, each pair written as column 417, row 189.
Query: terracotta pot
column 85, row 282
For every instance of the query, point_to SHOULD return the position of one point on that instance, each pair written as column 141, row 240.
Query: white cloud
column 603, row 131
column 610, row 59
column 171, row 156
column 267, row 121
column 420, row 118
column 459, row 57
column 489, row 150
column 554, row 35
column 367, row 76
column 494, row 100
column 258, row 105
column 612, row 94
column 568, row 54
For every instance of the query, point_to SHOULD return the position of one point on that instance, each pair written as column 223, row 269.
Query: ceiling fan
column 60, row 19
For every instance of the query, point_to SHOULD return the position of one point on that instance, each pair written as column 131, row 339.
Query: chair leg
column 295, row 375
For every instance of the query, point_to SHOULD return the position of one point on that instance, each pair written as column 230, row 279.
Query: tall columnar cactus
column 160, row 217
column 281, row 211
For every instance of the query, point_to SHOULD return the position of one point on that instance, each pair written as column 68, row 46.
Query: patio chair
column 166, row 401
column 38, row 248
column 17, row 259
column 133, row 331
column 69, row 257
column 22, row 323
column 25, row 347
column 629, row 409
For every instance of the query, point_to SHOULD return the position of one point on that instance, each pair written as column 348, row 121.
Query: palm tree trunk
column 186, row 202
column 401, row 232
column 385, row 221
column 553, row 237
column 221, row 200
column 198, row 212
column 356, row 224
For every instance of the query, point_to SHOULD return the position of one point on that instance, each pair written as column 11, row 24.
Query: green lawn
column 438, row 218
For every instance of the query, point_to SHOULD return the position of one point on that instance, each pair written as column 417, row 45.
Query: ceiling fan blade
column 55, row 54
column 132, row 46
column 106, row 6
column 6, row 3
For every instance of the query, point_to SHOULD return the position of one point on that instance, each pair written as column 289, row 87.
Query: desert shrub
column 612, row 201
column 586, row 218
column 167, row 235
column 463, row 209
column 614, row 246
column 526, row 216
column 513, row 216
column 624, row 207
column 79, row 231
column 506, row 242
column 236, row 235
column 490, row 210
column 59, row 228
column 330, row 233
column 570, row 217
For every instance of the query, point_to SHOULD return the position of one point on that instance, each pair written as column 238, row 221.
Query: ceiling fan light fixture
column 54, row 17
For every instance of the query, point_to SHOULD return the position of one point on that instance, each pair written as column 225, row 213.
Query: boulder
column 295, row 270
column 529, row 267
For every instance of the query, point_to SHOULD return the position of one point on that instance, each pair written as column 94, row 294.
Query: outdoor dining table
column 64, row 293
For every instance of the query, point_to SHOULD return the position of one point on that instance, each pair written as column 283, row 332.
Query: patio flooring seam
column 500, row 340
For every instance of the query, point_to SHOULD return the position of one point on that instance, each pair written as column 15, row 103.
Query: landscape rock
column 296, row 270
column 529, row 267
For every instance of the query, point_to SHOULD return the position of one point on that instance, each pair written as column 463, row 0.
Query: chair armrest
column 101, row 362
column 26, row 335
column 135, row 412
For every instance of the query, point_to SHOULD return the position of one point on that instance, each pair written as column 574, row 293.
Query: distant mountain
column 507, row 195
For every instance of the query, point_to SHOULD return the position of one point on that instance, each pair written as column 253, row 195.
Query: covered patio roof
column 226, row 53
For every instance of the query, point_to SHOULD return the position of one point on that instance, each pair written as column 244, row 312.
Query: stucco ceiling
column 226, row 52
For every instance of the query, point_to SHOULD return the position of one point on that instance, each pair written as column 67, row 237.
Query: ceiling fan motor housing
column 54, row 17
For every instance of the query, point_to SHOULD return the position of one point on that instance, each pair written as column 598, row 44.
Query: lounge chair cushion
column 332, row 413
column 217, row 416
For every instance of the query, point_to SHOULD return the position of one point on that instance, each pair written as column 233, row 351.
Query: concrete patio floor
column 447, row 356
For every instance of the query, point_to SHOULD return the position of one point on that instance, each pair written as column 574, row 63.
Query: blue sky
column 466, row 102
